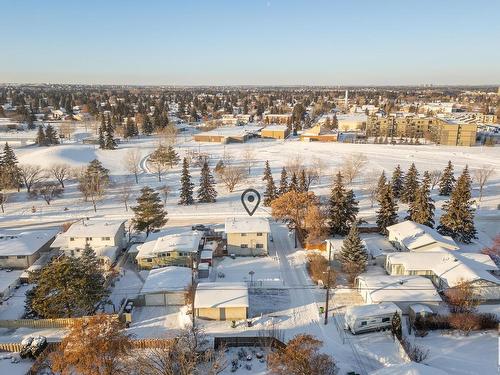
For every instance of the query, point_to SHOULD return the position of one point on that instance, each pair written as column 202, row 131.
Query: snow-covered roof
column 24, row 243
column 275, row 128
column 8, row 278
column 352, row 117
column 221, row 294
column 206, row 254
column 167, row 279
column 387, row 288
column 247, row 225
column 374, row 309
column 451, row 266
column 233, row 131
column 108, row 252
column 94, row 228
column 181, row 242
column 414, row 235
column 411, row 368
column 203, row 266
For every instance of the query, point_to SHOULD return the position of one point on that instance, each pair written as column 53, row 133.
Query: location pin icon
column 250, row 200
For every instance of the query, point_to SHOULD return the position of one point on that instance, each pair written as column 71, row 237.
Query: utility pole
column 328, row 284
column 193, row 288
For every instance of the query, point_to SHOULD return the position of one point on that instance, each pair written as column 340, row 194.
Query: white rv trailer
column 374, row 317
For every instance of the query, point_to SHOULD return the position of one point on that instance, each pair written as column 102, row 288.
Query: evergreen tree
column 40, row 137
column 410, row 185
column 109, row 136
column 10, row 177
column 382, row 181
column 270, row 194
column 149, row 212
column 267, row 172
column 51, row 137
column 387, row 213
column 206, row 192
column 342, row 208
column 172, row 156
column 294, row 184
column 303, row 181
column 397, row 181
column 91, row 267
column 147, row 126
column 421, row 210
column 102, row 130
column 353, row 255
column 457, row 219
column 186, row 196
column 447, row 180
column 283, row 182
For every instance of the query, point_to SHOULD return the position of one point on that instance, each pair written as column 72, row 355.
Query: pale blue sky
column 209, row 42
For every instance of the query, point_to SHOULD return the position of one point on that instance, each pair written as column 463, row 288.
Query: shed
column 203, row 270
column 221, row 301
column 166, row 286
column 206, row 256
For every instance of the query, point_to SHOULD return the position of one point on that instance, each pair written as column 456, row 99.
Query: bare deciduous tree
column 231, row 176
column 168, row 135
column 4, row 197
column 435, row 177
column 294, row 165
column 371, row 185
column 66, row 129
column 31, row 175
column 124, row 194
column 61, row 172
column 462, row 297
column 132, row 160
column 482, row 175
column 318, row 165
column 352, row 165
column 165, row 192
column 48, row 190
column 249, row 158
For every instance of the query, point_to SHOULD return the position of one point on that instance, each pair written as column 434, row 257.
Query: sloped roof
column 247, row 225
column 414, row 235
column 167, row 279
column 24, row 243
column 184, row 242
column 221, row 294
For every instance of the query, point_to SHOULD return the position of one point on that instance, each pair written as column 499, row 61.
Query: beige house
column 447, row 269
column 275, row 131
column 319, row 133
column 21, row 250
column 170, row 250
column 105, row 237
column 247, row 236
column 221, row 301
column 411, row 236
column 352, row 121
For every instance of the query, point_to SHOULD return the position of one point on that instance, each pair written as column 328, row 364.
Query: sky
column 251, row 42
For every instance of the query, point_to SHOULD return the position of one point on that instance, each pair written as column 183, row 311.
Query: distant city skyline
column 254, row 43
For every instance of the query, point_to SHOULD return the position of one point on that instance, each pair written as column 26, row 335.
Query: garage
column 166, row 286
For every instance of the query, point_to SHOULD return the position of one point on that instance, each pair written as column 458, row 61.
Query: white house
column 401, row 290
column 447, row 268
column 247, row 235
column 22, row 249
column 411, row 236
column 166, row 286
column 105, row 237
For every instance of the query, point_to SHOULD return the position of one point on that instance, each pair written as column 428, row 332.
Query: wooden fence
column 236, row 341
column 10, row 346
column 42, row 323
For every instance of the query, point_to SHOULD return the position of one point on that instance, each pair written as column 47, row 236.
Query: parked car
column 374, row 317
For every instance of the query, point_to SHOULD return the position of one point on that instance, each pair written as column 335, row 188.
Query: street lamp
column 251, row 273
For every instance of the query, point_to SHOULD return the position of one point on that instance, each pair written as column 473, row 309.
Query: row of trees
column 47, row 136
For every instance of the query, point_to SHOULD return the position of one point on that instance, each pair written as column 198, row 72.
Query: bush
column 415, row 352
column 317, row 267
column 465, row 322
column 432, row 323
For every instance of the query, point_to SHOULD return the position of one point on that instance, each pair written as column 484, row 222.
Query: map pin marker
column 250, row 200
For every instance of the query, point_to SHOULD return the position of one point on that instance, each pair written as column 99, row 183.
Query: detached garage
column 221, row 301
column 166, row 286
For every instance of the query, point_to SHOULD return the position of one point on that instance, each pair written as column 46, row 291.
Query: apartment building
column 449, row 132
column 399, row 125
column 273, row 118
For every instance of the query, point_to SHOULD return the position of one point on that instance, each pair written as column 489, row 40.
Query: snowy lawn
column 8, row 367
column 462, row 355
column 254, row 366
column 266, row 271
column 155, row 321
column 13, row 308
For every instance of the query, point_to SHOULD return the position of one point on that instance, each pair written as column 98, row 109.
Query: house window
column 363, row 323
column 259, row 234
column 259, row 246
column 72, row 238
column 20, row 257
column 89, row 238
column 385, row 320
column 149, row 260
column 167, row 254
column 4, row 257
column 106, row 238
column 244, row 246
column 243, row 234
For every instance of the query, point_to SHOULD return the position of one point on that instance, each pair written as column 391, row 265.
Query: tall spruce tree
column 51, row 137
column 172, row 156
column 303, row 181
column 186, row 195
column 457, row 219
column 353, row 255
column 283, row 182
column 149, row 212
column 447, row 180
column 410, row 185
column 147, row 126
column 421, row 210
column 342, row 208
column 267, row 172
column 387, row 213
column 397, row 181
column 101, row 137
column 382, row 181
column 206, row 191
column 109, row 136
column 294, row 183
column 10, row 174
column 270, row 194
column 40, row 137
